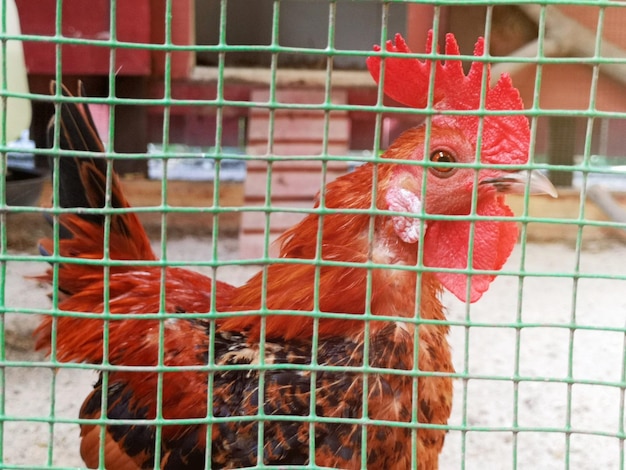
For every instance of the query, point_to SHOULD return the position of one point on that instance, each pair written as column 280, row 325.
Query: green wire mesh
column 540, row 360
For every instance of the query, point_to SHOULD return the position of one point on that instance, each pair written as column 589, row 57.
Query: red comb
column 505, row 139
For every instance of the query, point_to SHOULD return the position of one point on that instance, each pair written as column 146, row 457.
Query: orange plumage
column 364, row 262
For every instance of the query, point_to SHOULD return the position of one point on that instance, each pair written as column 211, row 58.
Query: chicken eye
column 442, row 156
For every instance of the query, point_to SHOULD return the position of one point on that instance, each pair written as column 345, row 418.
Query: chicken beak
column 517, row 182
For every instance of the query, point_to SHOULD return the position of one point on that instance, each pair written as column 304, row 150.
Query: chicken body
column 289, row 340
column 327, row 386
column 286, row 395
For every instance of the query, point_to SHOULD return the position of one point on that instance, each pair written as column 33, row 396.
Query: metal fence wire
column 280, row 88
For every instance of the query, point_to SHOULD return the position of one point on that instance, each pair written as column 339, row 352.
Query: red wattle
column 446, row 245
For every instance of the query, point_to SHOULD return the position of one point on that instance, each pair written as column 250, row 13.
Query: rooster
column 394, row 234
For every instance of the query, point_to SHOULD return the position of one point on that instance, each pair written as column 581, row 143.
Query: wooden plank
column 182, row 33
column 286, row 165
column 283, row 184
column 297, row 132
column 286, row 77
column 294, row 95
column 298, row 148
column 291, row 125
column 147, row 193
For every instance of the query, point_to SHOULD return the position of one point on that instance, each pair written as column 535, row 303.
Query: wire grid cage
column 540, row 360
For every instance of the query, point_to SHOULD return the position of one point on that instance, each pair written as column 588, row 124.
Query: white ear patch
column 403, row 200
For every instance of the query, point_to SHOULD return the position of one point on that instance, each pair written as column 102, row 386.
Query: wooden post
column 561, row 148
column 419, row 19
column 183, row 33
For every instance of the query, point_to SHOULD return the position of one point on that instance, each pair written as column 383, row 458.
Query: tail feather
column 85, row 180
column 76, row 121
column 83, row 183
column 82, row 177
